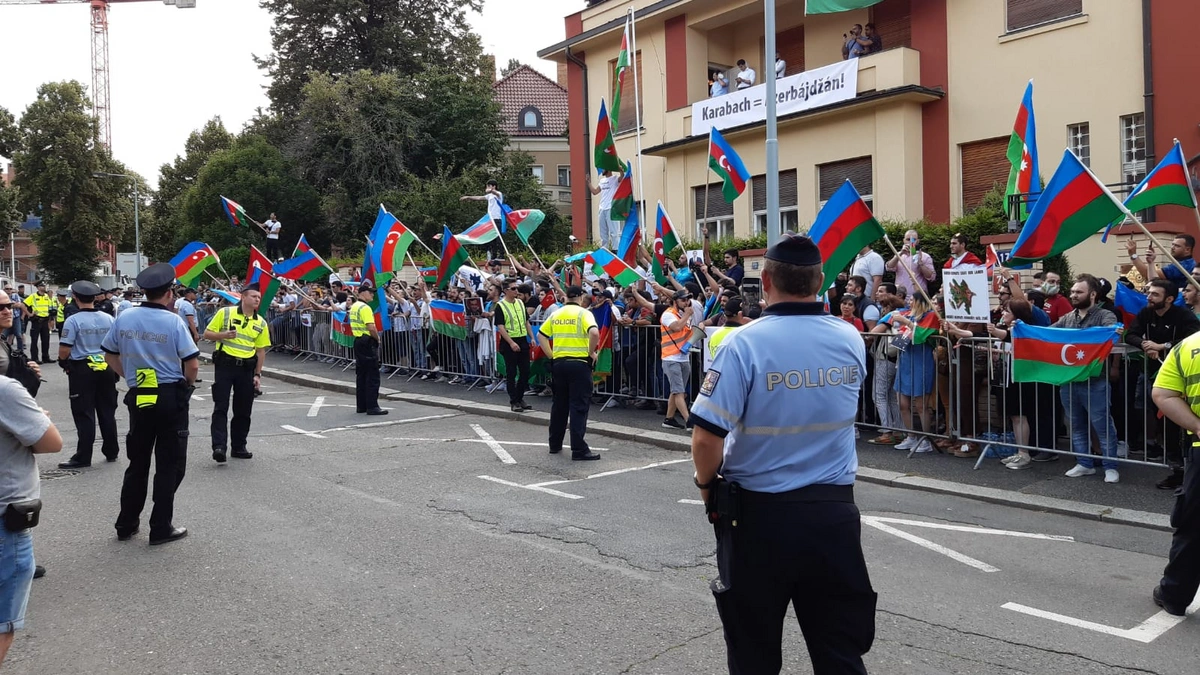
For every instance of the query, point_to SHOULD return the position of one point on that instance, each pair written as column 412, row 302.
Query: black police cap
column 62, row 291
column 795, row 249
column 366, row 285
column 574, row 291
column 156, row 276
column 85, row 288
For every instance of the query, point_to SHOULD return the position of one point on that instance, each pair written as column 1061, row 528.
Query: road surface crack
column 672, row 648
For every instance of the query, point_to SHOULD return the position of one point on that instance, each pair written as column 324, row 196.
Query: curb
column 1108, row 514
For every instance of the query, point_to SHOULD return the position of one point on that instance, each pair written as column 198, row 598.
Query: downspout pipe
column 1148, row 91
column 587, row 159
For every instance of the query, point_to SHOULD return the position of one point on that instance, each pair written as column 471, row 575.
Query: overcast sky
column 172, row 69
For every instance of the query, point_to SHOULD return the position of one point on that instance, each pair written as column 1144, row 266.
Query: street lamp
column 137, row 230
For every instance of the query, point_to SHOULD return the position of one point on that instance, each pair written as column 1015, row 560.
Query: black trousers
column 159, row 432
column 93, row 398
column 572, row 387
column 1181, row 578
column 516, row 369
column 238, row 380
column 366, row 373
column 808, row 554
column 273, row 249
column 39, row 329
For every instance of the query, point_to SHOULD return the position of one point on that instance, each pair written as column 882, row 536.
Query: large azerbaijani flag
column 261, row 272
column 339, row 329
column 631, row 239
column 1024, row 176
column 603, row 263
column 665, row 241
column 393, row 240
column 725, row 163
column 483, row 231
column 843, row 227
column 619, row 71
column 622, row 202
column 304, row 265
column 454, row 256
column 606, row 149
column 1168, row 183
column 1060, row 355
column 302, row 246
column 1073, row 207
column 448, row 318
column 235, row 213
column 524, row 221
column 191, row 261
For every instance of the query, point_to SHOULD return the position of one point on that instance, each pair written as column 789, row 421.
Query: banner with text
column 965, row 292
column 807, row 90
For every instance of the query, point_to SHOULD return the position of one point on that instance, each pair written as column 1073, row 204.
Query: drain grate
column 52, row 474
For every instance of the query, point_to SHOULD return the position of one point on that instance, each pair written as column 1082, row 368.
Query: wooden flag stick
column 913, row 276
column 210, row 274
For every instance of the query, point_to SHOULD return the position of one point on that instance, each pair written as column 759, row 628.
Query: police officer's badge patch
column 710, row 382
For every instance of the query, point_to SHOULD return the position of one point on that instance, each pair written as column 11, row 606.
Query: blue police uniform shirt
column 786, row 414
column 151, row 336
column 83, row 332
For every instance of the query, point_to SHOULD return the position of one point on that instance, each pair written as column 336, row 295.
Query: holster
column 723, row 509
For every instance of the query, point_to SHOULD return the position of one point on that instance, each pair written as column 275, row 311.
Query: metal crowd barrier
column 906, row 390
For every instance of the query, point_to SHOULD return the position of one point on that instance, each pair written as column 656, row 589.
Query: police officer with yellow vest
column 42, row 312
column 366, row 351
column 734, row 319
column 153, row 350
column 242, row 341
column 569, row 338
column 514, row 331
column 61, row 303
column 92, row 384
column 775, row 458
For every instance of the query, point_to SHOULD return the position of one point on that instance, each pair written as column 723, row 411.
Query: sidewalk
column 1041, row 487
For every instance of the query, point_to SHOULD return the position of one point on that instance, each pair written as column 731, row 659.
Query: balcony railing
column 1015, row 202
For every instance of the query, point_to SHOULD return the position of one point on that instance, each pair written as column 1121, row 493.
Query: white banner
column 810, row 89
column 965, row 291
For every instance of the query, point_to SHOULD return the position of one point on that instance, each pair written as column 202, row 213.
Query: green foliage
column 235, row 260
column 162, row 232
column 510, row 67
column 11, row 216
column 10, row 134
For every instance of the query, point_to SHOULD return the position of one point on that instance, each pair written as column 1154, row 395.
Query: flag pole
column 1195, row 210
column 535, row 255
column 637, row 113
column 210, row 274
column 707, row 171
column 913, row 276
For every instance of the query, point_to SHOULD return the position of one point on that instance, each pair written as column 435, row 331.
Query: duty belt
column 233, row 360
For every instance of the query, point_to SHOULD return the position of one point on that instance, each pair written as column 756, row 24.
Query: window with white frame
column 1133, row 148
column 717, row 217
column 1079, row 140
column 789, row 216
column 539, row 172
column 564, row 175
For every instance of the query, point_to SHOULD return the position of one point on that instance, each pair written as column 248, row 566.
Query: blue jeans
column 18, row 330
column 1086, row 404
column 418, row 349
column 16, row 576
column 466, row 354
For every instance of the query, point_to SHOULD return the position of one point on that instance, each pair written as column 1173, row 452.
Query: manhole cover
column 51, row 474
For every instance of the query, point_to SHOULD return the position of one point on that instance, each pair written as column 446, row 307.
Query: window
column 1133, row 148
column 1029, row 13
column 718, row 217
column 564, row 196
column 628, row 116
column 530, row 118
column 984, row 165
column 539, row 172
column 857, row 171
column 1079, row 142
column 564, row 175
column 789, row 217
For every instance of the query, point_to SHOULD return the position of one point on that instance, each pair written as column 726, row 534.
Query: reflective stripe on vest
column 248, row 329
column 514, row 315
column 673, row 341
column 569, row 333
column 360, row 315
column 714, row 342
column 40, row 305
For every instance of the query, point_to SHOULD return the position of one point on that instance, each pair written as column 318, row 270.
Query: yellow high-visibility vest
column 568, row 328
column 360, row 316
column 514, row 318
column 252, row 332
column 40, row 305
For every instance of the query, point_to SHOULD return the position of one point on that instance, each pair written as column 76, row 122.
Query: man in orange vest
column 676, row 361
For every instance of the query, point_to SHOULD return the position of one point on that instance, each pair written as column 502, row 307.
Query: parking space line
column 535, row 488
column 298, row 430
column 872, row 521
column 1145, row 632
column 493, row 444
column 973, row 530
column 691, row 501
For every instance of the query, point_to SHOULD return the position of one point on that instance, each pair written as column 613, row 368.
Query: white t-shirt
column 289, row 301
column 868, row 266
column 400, row 317
column 608, row 188
column 747, row 78
column 780, row 68
column 495, row 199
column 273, row 227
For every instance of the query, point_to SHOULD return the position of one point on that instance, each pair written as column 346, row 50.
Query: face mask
column 1049, row 288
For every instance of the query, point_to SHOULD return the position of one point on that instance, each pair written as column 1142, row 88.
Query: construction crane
column 101, row 103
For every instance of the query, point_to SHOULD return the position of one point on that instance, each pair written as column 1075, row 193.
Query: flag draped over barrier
column 1060, row 355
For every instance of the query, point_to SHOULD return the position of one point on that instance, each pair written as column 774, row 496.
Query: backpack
column 19, row 370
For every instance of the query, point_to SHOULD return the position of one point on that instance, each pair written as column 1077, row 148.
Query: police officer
column 777, row 475
column 105, row 304
column 242, row 340
column 366, row 351
column 42, row 314
column 734, row 318
column 93, row 385
column 569, row 338
column 153, row 350
column 61, row 303
column 514, row 331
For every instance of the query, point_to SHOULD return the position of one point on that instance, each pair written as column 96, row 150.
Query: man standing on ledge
column 569, row 338
column 242, row 341
column 777, row 475
column 366, row 351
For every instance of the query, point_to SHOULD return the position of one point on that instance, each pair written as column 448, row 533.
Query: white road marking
column 1145, row 632
column 298, row 430
column 691, row 501
column 535, row 488
column 967, row 528
column 389, row 423
column 198, row 397
column 316, row 406
column 615, row 472
column 493, row 444
column 472, row 440
column 872, row 521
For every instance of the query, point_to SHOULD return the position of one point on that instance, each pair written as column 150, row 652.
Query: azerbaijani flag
column 1168, row 183
column 300, row 267
column 1129, row 302
column 1060, row 355
column 454, row 256
column 606, row 148
column 394, row 239
column 302, row 246
column 831, row 6
column 604, row 345
column 235, row 213
column 449, row 318
column 665, row 241
column 622, row 202
column 843, row 227
column 260, row 272
column 604, row 262
column 926, row 327
column 631, row 239
column 483, row 231
column 725, row 163
column 619, row 70
column 428, row 274
column 1024, row 177
column 339, row 329
column 524, row 221
column 1072, row 208
column 191, row 261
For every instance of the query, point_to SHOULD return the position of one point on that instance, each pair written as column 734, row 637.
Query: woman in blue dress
column 914, row 375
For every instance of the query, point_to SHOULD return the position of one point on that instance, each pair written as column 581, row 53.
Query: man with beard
column 1160, row 325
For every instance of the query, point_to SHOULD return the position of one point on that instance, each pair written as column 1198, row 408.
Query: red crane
column 101, row 105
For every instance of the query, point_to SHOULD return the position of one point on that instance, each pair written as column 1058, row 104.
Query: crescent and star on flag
column 1079, row 355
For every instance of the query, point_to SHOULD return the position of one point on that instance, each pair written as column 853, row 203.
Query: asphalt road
column 431, row 541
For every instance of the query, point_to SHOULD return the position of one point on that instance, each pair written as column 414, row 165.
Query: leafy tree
column 10, row 135
column 10, row 214
column 513, row 65
column 162, row 232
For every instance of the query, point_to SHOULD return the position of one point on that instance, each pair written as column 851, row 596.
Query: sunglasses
column 6, row 305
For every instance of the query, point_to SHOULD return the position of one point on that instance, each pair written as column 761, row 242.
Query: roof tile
column 527, row 87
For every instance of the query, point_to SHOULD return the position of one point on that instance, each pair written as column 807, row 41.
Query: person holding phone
column 917, row 269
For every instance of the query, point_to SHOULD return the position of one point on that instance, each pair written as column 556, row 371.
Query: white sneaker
column 1021, row 462
column 907, row 444
column 1111, row 476
column 924, row 446
column 1078, row 470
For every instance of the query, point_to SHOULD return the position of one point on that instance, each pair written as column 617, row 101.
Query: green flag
column 831, row 6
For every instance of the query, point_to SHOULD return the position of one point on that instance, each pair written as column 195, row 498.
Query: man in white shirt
column 780, row 66
column 494, row 198
column 745, row 78
column 610, row 233
column 869, row 265
column 273, row 227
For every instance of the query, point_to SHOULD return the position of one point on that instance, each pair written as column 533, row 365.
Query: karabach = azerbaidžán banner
column 803, row 91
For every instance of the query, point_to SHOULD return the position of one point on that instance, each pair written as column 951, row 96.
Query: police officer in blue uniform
column 776, row 470
column 92, row 384
column 152, row 349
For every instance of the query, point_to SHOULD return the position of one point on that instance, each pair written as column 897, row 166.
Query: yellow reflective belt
column 96, row 362
column 147, row 378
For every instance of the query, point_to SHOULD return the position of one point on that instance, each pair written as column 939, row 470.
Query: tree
column 10, row 135
column 513, row 65
column 55, row 164
column 162, row 232
column 339, row 37
column 10, row 214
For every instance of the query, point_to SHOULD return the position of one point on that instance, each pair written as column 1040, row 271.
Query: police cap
column 795, row 249
column 85, row 289
column 574, row 291
column 251, row 287
column 366, row 285
column 62, row 292
column 156, row 277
